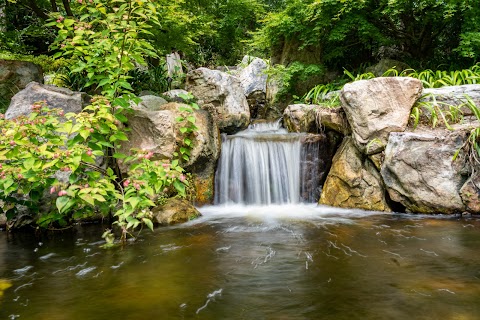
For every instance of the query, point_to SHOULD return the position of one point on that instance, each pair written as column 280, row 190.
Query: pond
column 237, row 262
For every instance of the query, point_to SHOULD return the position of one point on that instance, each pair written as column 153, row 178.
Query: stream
column 252, row 262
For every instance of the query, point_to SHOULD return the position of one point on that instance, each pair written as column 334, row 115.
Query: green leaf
column 148, row 223
column 87, row 198
column 61, row 203
column 120, row 117
column 28, row 163
column 180, row 187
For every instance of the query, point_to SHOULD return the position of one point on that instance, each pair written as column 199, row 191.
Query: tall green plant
column 106, row 44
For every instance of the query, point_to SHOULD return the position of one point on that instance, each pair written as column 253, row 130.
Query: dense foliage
column 423, row 33
column 49, row 152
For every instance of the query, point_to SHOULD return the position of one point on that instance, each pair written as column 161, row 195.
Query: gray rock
column 353, row 181
column 253, row 76
column 16, row 75
column 151, row 102
column 453, row 96
column 376, row 107
column 174, row 94
column 55, row 97
column 419, row 171
column 222, row 95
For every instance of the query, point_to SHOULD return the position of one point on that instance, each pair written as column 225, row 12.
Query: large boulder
column 377, row 107
column 222, row 95
column 254, row 83
column 453, row 96
column 159, row 132
column 15, row 75
column 420, row 173
column 353, row 181
column 55, row 97
column 175, row 211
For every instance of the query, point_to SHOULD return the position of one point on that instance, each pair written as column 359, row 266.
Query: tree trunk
column 53, row 3
column 3, row 17
column 39, row 12
column 68, row 10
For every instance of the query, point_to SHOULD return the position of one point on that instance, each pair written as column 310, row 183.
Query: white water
column 260, row 165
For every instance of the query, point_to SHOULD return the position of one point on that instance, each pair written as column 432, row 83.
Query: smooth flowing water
column 267, row 165
column 273, row 262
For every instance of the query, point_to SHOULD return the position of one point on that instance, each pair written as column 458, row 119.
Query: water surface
column 276, row 262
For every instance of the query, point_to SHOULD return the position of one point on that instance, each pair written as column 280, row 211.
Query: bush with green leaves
column 48, row 152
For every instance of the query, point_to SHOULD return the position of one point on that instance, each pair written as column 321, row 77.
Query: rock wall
column 384, row 163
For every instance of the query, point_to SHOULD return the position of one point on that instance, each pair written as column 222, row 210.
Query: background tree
column 423, row 33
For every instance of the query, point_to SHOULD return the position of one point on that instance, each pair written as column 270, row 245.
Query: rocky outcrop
column 175, row 211
column 55, row 97
column 16, row 75
column 159, row 132
column 377, row 107
column 222, row 95
column 254, row 83
column 419, row 171
column 353, row 181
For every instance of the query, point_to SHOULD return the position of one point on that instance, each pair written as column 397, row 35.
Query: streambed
column 237, row 262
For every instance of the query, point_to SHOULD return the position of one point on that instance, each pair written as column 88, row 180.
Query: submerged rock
column 222, row 95
column 419, row 171
column 175, row 211
column 55, row 97
column 376, row 107
column 353, row 181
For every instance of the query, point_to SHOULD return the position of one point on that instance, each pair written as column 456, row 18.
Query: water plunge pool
column 237, row 262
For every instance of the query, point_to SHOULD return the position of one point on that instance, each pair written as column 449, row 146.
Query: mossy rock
column 175, row 211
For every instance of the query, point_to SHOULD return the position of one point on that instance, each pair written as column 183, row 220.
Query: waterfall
column 262, row 165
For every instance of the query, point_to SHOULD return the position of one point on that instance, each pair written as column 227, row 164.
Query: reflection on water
column 284, row 262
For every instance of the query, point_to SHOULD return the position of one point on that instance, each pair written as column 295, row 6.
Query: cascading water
column 261, row 166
